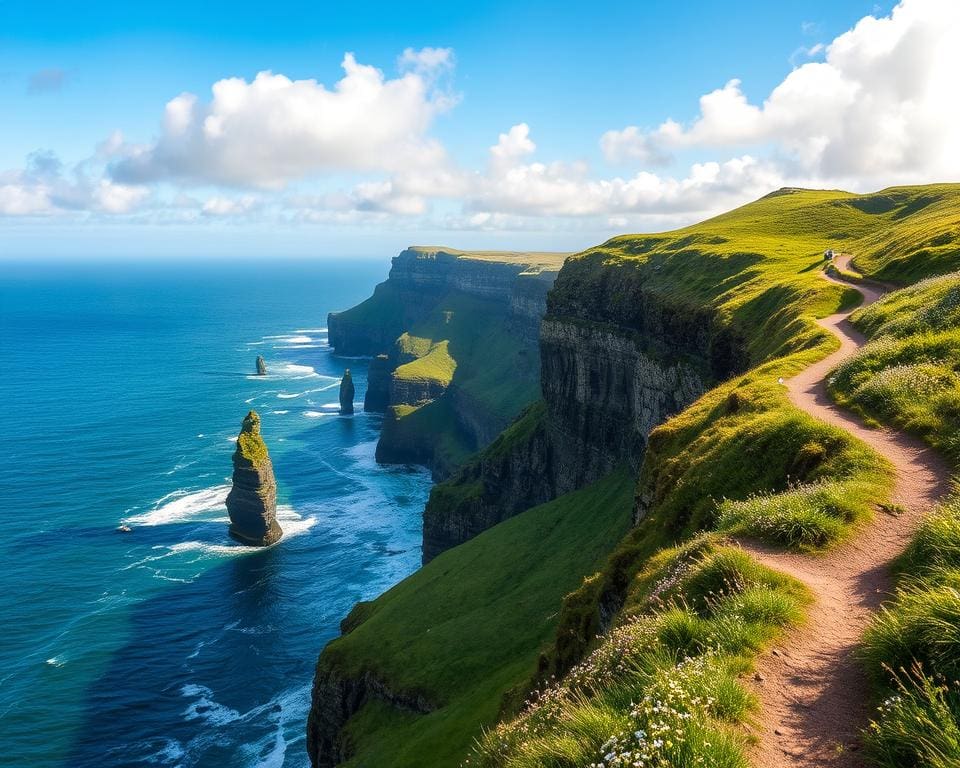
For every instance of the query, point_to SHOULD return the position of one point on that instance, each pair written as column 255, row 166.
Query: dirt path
column 814, row 696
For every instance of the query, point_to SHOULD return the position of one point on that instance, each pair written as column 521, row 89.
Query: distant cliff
column 454, row 335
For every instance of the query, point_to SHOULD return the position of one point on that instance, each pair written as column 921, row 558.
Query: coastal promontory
column 252, row 502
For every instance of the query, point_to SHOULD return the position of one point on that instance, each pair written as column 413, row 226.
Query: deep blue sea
column 123, row 388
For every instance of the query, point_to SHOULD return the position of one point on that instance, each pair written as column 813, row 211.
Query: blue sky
column 578, row 96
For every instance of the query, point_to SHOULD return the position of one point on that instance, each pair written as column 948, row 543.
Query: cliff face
column 616, row 360
column 451, row 330
column 252, row 501
column 420, row 276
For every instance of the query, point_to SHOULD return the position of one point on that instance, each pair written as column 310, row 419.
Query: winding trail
column 814, row 695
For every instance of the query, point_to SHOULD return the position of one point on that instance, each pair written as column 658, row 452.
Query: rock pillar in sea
column 252, row 502
column 261, row 366
column 377, row 397
column 346, row 392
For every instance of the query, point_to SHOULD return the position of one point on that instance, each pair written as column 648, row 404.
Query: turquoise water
column 123, row 389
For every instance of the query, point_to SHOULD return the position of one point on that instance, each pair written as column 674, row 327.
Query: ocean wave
column 180, row 465
column 288, row 395
column 317, row 414
column 56, row 661
column 279, row 413
column 310, row 330
column 182, row 505
column 206, row 707
column 293, row 525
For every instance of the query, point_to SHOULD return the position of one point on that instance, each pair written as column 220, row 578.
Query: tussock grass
column 804, row 517
column 913, row 651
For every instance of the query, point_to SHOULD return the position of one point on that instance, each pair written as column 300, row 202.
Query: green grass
column 908, row 375
column 662, row 687
column 746, row 285
column 436, row 364
column 912, row 649
column 467, row 627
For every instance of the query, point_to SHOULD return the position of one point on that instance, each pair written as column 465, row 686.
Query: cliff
column 252, row 501
column 617, row 359
column 455, row 339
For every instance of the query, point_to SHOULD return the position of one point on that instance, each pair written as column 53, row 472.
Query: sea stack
column 252, row 502
column 346, row 392
column 261, row 366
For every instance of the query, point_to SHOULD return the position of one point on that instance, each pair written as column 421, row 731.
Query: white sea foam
column 294, row 371
column 316, row 414
column 171, row 753
column 289, row 395
column 310, row 330
column 56, row 661
column 330, row 405
column 293, row 525
column 231, row 439
column 279, row 413
column 206, row 707
column 182, row 505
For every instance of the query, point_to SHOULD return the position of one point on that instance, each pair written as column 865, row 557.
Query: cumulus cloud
column 273, row 130
column 881, row 106
column 44, row 187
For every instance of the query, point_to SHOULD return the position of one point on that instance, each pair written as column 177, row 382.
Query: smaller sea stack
column 261, row 366
column 346, row 392
column 252, row 502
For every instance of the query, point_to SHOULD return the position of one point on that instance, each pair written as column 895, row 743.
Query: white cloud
column 43, row 188
column 881, row 108
column 218, row 205
column 273, row 130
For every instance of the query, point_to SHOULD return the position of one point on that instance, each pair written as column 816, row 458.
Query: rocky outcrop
column 252, row 501
column 346, row 393
column 261, row 366
column 377, row 397
column 335, row 698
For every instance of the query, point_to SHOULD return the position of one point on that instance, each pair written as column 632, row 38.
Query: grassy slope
column 468, row 626
column 467, row 342
column 758, row 267
column 662, row 688
column 909, row 373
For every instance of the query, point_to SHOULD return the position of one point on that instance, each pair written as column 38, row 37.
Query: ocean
column 123, row 387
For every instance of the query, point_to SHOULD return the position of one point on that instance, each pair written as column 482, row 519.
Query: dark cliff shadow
column 155, row 697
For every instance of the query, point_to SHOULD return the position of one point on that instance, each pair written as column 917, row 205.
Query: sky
column 184, row 130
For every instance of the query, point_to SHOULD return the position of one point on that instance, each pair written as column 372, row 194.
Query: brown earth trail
column 814, row 696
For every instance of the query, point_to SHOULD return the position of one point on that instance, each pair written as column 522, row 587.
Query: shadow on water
column 210, row 653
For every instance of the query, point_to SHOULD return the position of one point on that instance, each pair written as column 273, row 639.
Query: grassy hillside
column 464, row 629
column 909, row 373
column 465, row 342
column 741, row 459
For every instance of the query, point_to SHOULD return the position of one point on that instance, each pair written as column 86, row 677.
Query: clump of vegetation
column 913, row 650
column 804, row 517
column 909, row 373
column 250, row 445
column 661, row 689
